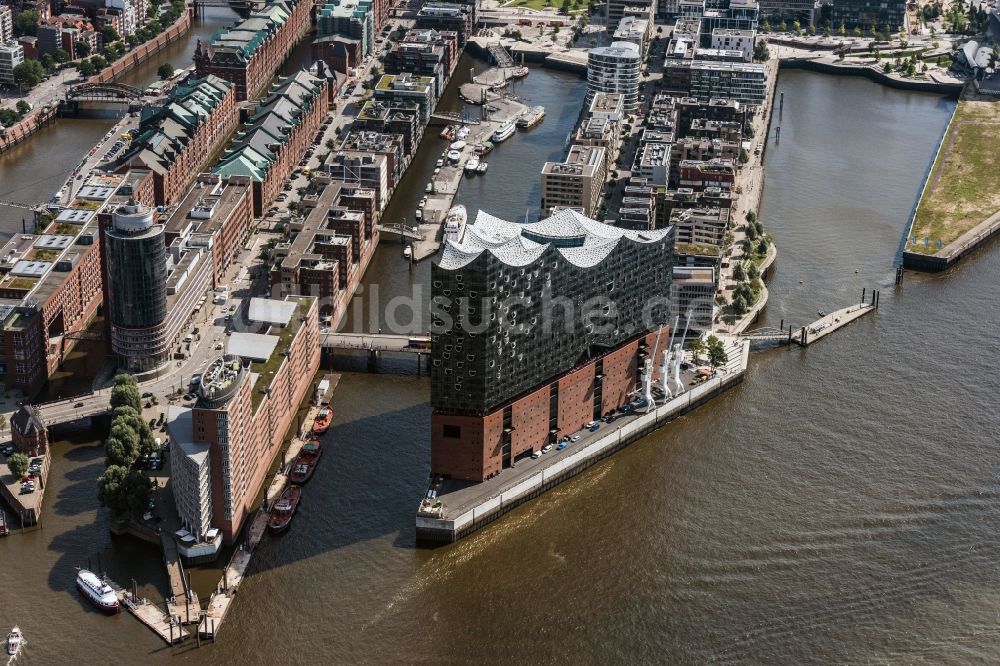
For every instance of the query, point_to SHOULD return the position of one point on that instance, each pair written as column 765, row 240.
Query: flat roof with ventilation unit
column 254, row 346
column 53, row 242
column 75, row 216
column 270, row 311
column 99, row 192
column 31, row 268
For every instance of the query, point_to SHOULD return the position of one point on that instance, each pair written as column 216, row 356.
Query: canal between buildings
column 840, row 506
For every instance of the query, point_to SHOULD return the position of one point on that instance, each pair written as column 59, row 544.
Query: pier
column 446, row 183
column 814, row 332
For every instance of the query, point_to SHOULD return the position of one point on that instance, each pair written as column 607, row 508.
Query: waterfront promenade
column 460, row 508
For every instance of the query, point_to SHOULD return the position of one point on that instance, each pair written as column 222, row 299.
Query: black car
column 7, row 450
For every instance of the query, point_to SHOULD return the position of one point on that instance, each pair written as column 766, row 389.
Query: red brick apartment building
column 246, row 404
column 50, row 285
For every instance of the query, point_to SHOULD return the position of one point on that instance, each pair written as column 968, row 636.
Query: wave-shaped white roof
column 520, row 244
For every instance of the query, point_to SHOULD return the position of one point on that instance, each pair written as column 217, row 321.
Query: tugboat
column 284, row 509
column 448, row 133
column 504, row 132
column 14, row 641
column 97, row 591
column 305, row 463
column 322, row 420
column 454, row 224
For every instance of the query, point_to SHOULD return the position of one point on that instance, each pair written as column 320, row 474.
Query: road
column 206, row 345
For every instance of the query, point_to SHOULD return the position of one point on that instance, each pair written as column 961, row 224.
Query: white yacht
column 454, row 223
column 504, row 132
column 472, row 165
column 14, row 641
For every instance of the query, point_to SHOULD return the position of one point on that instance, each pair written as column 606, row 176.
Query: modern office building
column 136, row 264
column 576, row 182
column 805, row 11
column 537, row 329
column 349, row 18
column 706, row 80
column 616, row 10
column 734, row 40
column 156, row 272
column 459, row 18
column 6, row 24
column 247, row 401
column 407, row 88
column 887, row 15
column 615, row 69
column 692, row 296
column 11, row 55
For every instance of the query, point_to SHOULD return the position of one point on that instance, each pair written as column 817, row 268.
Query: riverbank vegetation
column 124, row 487
column 961, row 190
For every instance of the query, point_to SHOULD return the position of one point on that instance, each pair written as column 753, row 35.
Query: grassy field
column 962, row 189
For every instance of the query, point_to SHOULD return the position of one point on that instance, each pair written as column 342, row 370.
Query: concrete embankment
column 951, row 89
column 23, row 129
column 494, row 498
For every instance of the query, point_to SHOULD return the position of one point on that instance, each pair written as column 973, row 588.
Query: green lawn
column 962, row 188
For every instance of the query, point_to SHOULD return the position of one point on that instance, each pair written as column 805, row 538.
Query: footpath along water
column 839, row 506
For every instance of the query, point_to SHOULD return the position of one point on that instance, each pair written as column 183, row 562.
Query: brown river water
column 841, row 506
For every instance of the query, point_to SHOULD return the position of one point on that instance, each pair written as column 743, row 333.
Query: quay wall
column 141, row 53
column 432, row 531
column 951, row 89
column 23, row 129
column 28, row 514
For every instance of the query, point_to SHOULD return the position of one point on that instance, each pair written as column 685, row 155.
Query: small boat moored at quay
column 504, row 132
column 472, row 165
column 482, row 167
column 407, row 252
column 454, row 156
column 305, row 463
column 448, row 133
column 284, row 509
column 454, row 224
column 521, row 72
column 97, row 592
column 322, row 421
column 14, row 641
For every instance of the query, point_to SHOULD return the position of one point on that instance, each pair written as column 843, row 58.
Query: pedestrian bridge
column 377, row 342
column 103, row 92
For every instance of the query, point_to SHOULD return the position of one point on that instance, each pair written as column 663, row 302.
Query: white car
column 536, row 454
column 574, row 438
column 546, row 448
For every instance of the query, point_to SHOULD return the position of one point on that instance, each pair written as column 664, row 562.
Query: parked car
column 147, row 394
column 574, row 438
column 592, row 426
column 561, row 446
column 78, row 405
column 7, row 449
column 546, row 448
column 536, row 454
